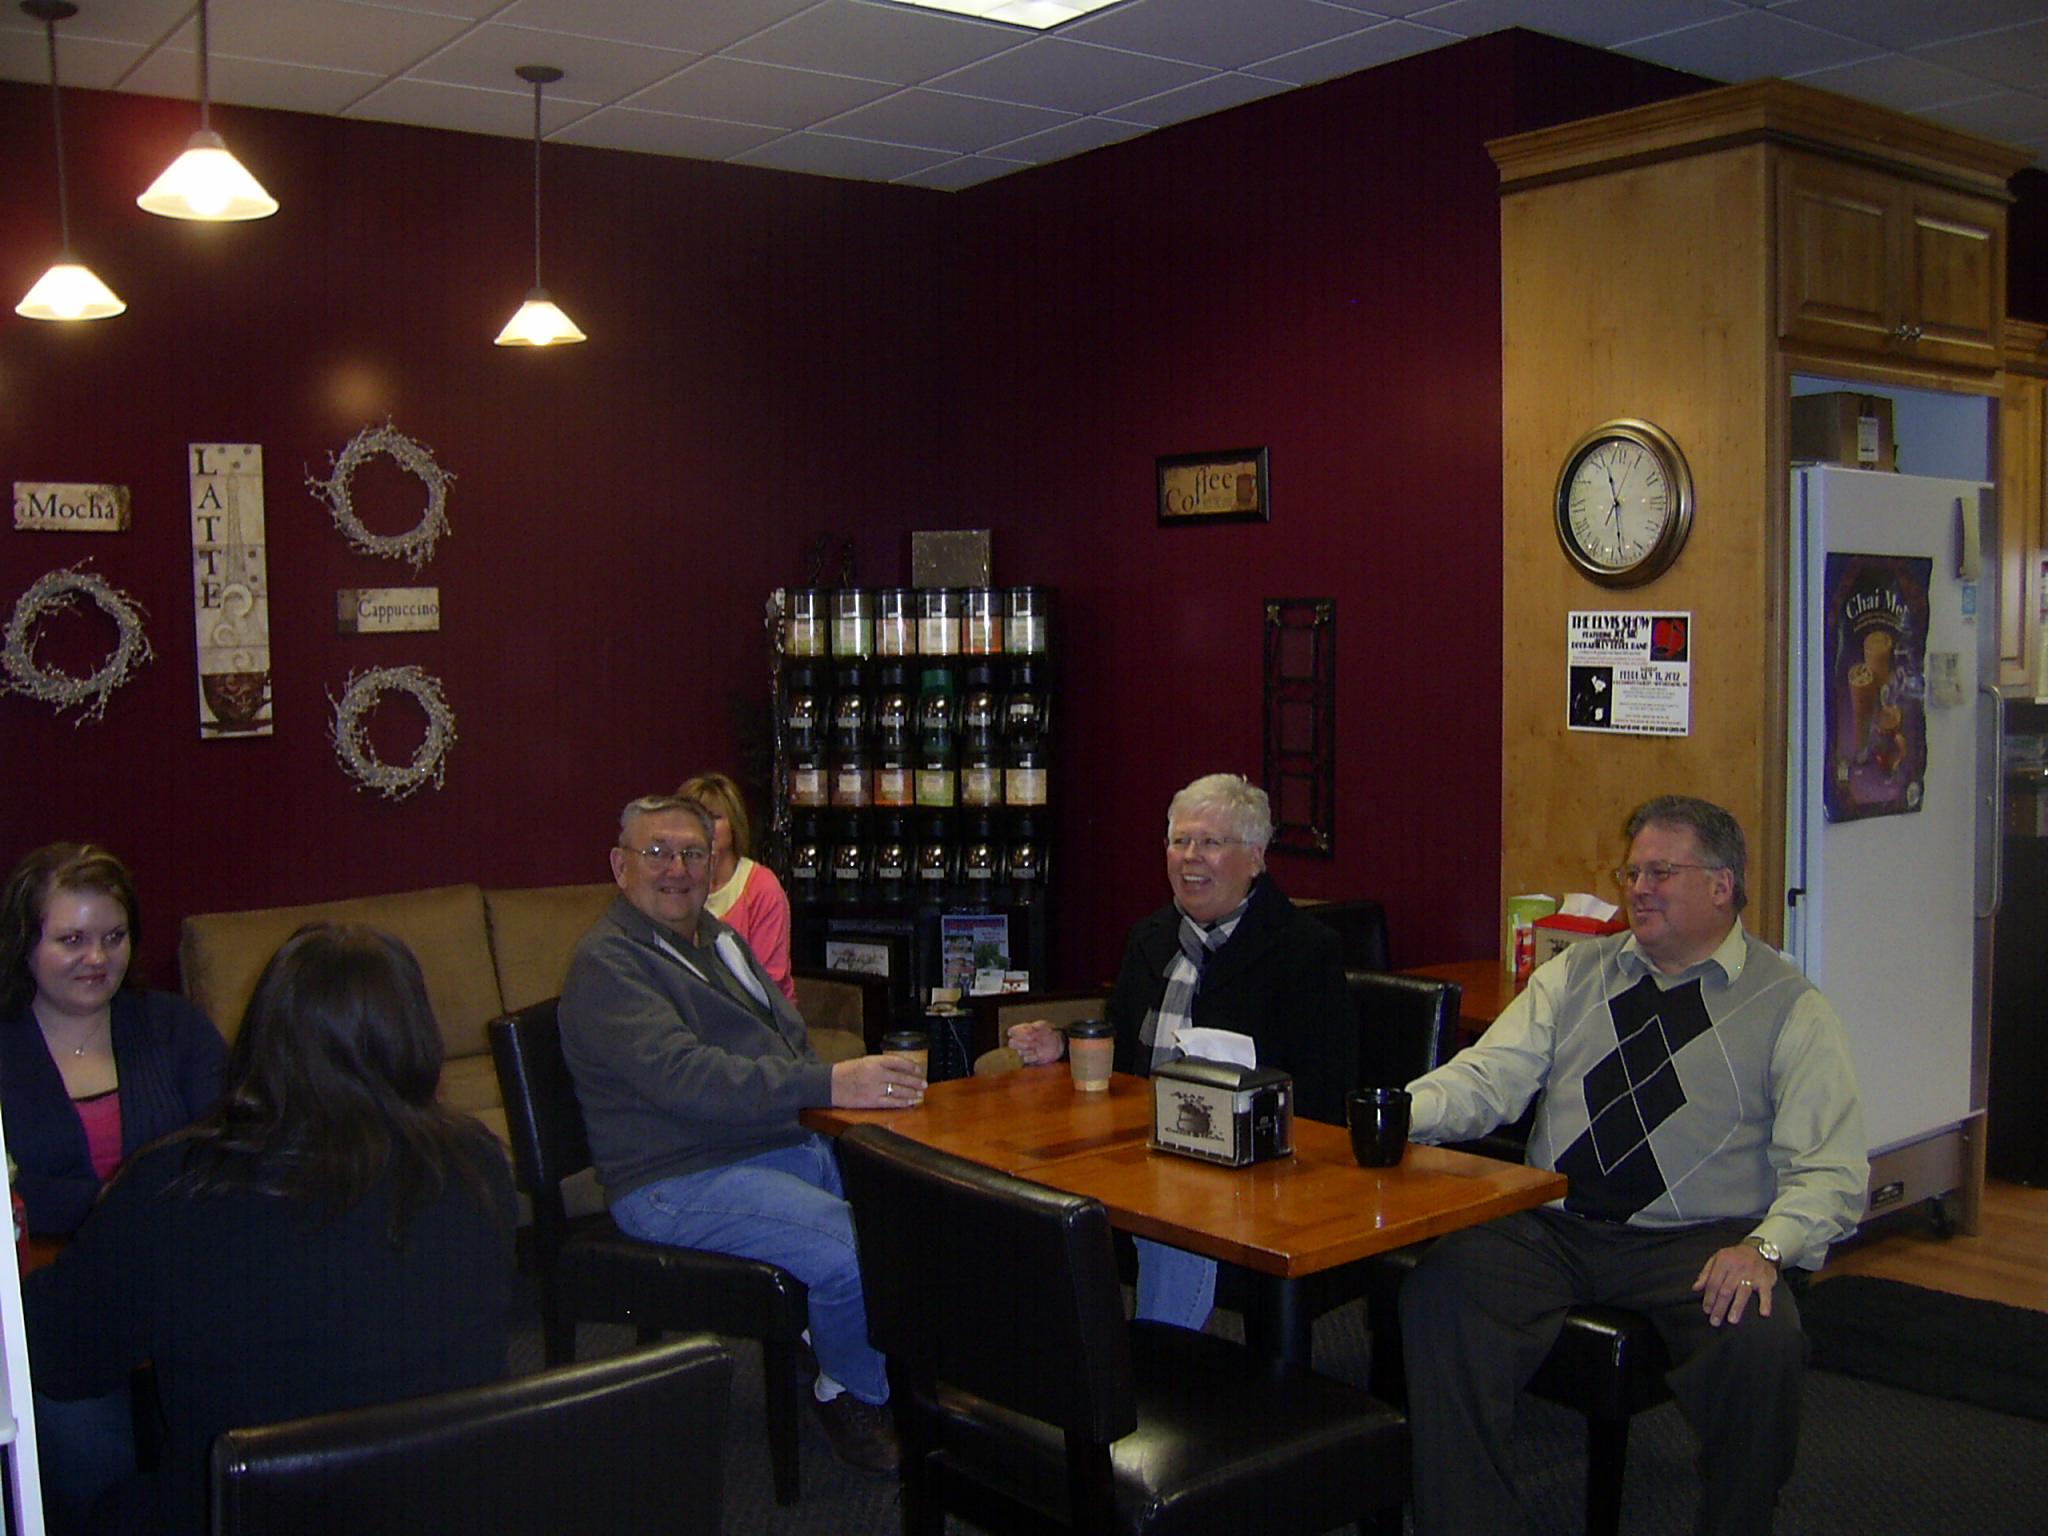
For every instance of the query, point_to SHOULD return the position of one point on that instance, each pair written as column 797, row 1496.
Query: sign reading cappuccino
column 77, row 508
column 386, row 610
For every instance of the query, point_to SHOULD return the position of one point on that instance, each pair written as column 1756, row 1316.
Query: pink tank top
column 101, row 1117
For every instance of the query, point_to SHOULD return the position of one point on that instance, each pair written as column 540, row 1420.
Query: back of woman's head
column 26, row 897
column 331, row 1082
column 338, row 1028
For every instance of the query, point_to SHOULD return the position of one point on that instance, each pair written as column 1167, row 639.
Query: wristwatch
column 1766, row 1247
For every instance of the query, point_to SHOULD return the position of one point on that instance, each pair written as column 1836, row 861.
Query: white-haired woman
column 1229, row 951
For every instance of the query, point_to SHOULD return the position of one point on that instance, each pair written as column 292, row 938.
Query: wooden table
column 1280, row 1220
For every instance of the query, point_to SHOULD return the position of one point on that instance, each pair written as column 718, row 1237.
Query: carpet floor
column 1907, row 1336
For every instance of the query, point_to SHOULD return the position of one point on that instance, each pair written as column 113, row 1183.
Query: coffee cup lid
column 905, row 1040
column 1089, row 1029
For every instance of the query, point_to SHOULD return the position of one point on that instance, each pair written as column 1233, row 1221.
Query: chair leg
column 1606, row 1460
column 778, row 1391
column 1383, row 1522
column 557, row 1331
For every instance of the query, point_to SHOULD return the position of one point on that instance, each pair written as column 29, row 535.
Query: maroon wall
column 774, row 356
column 1319, row 273
column 762, row 354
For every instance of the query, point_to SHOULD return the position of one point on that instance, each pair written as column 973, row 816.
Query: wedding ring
column 1749, row 1282
column 889, row 1089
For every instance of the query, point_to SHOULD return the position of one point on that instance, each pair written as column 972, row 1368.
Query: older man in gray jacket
column 691, row 1068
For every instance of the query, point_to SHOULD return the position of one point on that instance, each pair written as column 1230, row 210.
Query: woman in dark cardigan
column 92, row 1067
column 328, row 1236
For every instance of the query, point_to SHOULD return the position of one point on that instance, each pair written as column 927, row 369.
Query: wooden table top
column 1486, row 990
column 1287, row 1217
column 1014, row 1122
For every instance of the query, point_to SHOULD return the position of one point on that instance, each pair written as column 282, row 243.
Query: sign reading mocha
column 74, row 508
column 386, row 610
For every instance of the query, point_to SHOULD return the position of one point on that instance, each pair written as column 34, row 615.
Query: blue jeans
column 84, row 1445
column 1174, row 1286
column 786, row 1207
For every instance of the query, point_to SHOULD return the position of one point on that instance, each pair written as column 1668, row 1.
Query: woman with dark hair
column 745, row 896
column 328, row 1236
column 92, row 1067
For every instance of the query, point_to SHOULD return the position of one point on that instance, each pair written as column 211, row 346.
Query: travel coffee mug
column 1091, row 1051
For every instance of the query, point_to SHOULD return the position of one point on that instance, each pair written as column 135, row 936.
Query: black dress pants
column 1483, row 1308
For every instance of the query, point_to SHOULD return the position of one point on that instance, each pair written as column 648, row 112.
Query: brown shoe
column 862, row 1434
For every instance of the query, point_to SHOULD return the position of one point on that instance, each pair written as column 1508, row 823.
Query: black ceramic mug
column 1378, row 1118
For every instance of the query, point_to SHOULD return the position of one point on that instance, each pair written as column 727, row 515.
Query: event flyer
column 1629, row 673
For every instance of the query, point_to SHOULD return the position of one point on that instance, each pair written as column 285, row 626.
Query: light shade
column 207, row 183
column 69, row 291
column 1040, row 15
column 539, row 323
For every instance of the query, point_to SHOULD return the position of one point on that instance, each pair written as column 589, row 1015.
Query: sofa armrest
column 842, row 1001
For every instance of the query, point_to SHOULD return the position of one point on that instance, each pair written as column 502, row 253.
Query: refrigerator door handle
column 1995, row 800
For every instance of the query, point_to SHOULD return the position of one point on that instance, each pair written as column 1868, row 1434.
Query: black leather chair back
column 580, row 1448
column 1361, row 929
column 549, row 1142
column 1406, row 1025
column 985, row 1282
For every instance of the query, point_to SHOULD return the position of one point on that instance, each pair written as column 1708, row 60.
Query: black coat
column 1280, row 980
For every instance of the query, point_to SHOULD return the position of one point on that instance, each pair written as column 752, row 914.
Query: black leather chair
column 1402, row 1021
column 1608, row 1363
column 1361, row 929
column 1026, row 1402
column 590, row 1271
column 582, row 1448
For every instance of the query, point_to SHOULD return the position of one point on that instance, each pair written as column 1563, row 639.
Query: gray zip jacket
column 674, row 1073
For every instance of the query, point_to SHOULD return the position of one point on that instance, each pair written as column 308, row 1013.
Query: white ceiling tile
column 2012, row 117
column 818, row 154
column 1347, row 55
column 465, row 109
column 1753, row 45
column 592, row 69
column 336, row 33
column 966, row 171
column 700, row 26
column 1896, row 80
column 1069, row 76
column 2015, row 56
column 81, row 61
column 743, row 92
column 934, row 120
column 665, row 133
column 877, row 42
column 467, row 10
column 252, row 83
column 1215, row 94
column 1224, row 34
column 1074, row 138
column 132, row 21
column 1910, row 23
column 1598, row 22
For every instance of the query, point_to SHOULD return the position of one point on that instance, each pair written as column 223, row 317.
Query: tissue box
column 1557, row 932
column 1222, row 1112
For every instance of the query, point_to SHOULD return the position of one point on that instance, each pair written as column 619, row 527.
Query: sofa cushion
column 533, row 934
column 220, row 955
column 470, row 1084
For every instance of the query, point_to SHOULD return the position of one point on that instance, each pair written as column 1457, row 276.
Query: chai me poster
column 1875, row 640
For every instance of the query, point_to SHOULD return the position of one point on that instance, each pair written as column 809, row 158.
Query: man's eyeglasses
column 660, row 855
column 1208, row 847
column 1651, row 875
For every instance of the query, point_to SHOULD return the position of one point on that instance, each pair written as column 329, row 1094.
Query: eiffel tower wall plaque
column 230, row 589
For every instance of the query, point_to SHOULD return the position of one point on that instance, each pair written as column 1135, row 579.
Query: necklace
column 84, row 1040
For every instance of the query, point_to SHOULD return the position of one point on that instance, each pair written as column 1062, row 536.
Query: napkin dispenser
column 1221, row 1112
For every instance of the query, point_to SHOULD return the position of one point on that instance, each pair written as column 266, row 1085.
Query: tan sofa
column 484, row 953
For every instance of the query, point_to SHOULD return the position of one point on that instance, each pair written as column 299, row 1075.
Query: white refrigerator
column 1891, row 825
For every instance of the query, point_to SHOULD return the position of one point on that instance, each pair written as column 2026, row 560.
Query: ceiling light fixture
column 1040, row 15
column 206, row 182
column 540, row 321
column 68, row 291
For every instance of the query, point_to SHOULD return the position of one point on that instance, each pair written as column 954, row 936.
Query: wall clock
column 1624, row 503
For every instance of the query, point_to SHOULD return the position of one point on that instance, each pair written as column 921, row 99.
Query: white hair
column 1241, row 804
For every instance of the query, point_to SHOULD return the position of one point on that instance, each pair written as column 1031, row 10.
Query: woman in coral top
column 745, row 896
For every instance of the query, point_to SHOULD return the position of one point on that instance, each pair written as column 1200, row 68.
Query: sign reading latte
column 386, row 610
column 77, row 508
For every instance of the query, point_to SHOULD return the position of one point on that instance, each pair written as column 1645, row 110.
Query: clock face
column 1624, row 503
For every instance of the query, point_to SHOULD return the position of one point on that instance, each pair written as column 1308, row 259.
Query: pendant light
column 68, row 291
column 539, row 322
column 206, row 182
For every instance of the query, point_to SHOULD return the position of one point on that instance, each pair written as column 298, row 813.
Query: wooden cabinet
column 1874, row 262
column 2022, row 504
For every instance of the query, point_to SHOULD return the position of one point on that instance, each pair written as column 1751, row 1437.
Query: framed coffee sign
column 1225, row 486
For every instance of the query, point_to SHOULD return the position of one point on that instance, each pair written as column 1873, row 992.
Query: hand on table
column 877, row 1082
column 1036, row 1042
column 1731, row 1277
